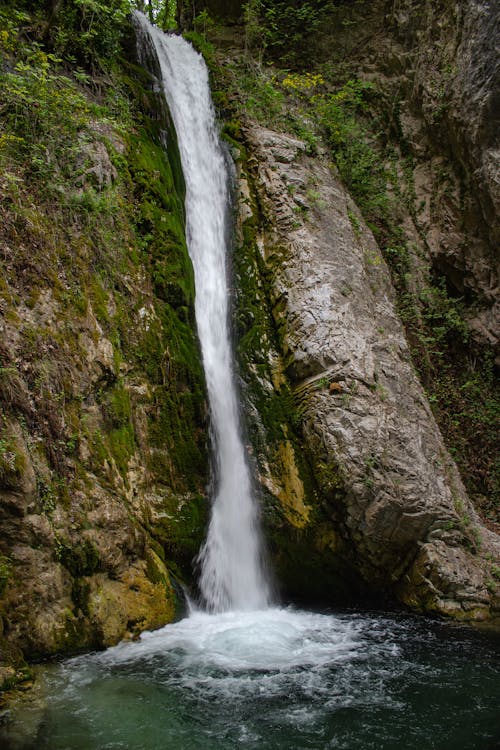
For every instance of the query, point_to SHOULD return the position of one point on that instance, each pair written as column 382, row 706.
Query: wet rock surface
column 403, row 516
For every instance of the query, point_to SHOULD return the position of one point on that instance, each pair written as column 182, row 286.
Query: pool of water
column 277, row 678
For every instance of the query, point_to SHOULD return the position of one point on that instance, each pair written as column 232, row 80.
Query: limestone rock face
column 402, row 518
column 436, row 65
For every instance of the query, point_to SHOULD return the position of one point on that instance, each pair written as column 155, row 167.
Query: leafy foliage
column 284, row 29
column 353, row 146
column 160, row 12
column 42, row 110
column 89, row 30
column 84, row 32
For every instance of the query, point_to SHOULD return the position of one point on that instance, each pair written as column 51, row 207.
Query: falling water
column 232, row 575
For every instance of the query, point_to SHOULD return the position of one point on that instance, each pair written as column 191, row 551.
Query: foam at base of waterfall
column 268, row 680
column 266, row 653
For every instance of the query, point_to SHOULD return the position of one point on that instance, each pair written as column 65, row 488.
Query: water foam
column 271, row 679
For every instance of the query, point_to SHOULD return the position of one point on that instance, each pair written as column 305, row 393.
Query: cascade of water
column 232, row 576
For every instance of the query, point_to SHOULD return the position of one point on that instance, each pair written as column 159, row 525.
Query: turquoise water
column 278, row 678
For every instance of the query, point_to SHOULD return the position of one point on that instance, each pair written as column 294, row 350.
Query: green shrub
column 12, row 463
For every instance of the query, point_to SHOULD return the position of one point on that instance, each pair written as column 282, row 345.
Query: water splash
column 269, row 680
column 232, row 573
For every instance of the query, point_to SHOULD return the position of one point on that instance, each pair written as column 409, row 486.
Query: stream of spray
column 232, row 575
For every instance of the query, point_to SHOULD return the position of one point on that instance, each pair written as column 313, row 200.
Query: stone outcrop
column 387, row 495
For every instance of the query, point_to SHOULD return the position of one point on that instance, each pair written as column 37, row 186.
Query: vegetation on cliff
column 103, row 460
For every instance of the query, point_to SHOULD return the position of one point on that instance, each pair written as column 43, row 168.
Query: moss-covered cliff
column 103, row 443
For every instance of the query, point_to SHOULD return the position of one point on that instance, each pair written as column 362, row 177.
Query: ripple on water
column 277, row 678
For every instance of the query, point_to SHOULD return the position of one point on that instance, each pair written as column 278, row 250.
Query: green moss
column 257, row 340
column 260, row 347
column 156, row 572
column 21, row 675
column 121, row 441
column 12, row 462
column 80, row 593
column 330, row 478
column 116, row 439
column 167, row 349
column 98, row 450
column 99, row 299
column 5, row 573
column 181, row 531
column 47, row 496
column 203, row 46
column 76, row 632
column 81, row 559
column 116, row 406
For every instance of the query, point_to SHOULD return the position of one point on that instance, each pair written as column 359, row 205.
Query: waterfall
column 232, row 575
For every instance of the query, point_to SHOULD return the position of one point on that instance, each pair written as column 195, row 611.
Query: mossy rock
column 12, row 464
column 81, row 559
column 181, row 531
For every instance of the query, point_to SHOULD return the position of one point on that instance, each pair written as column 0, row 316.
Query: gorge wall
column 336, row 441
column 438, row 62
column 379, row 496
column 103, row 434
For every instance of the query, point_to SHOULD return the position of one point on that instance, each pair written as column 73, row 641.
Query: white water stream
column 232, row 575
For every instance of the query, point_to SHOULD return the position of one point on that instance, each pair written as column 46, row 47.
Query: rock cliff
column 388, row 503
column 103, row 460
column 103, row 427
column 440, row 63
column 435, row 67
column 357, row 484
